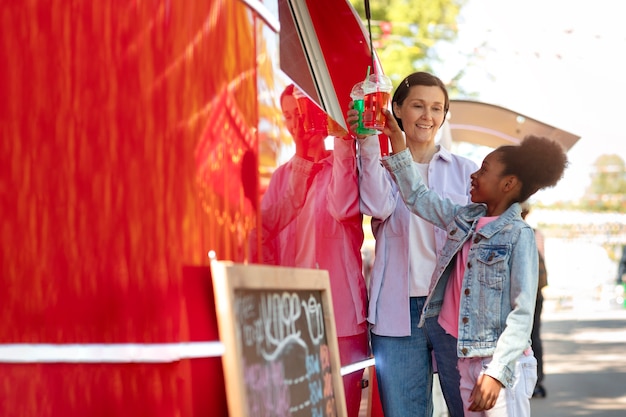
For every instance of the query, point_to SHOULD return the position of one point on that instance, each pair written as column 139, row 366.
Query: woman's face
column 422, row 112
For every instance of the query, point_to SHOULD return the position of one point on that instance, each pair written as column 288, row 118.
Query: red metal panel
column 122, row 127
column 346, row 49
column 128, row 151
column 344, row 44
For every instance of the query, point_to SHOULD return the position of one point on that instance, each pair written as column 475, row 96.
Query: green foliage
column 607, row 191
column 404, row 32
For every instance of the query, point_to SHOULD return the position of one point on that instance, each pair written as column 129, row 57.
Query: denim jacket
column 500, row 280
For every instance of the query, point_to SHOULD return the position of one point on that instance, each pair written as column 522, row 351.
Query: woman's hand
column 352, row 118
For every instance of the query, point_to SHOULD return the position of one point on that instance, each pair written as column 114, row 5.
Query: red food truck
column 138, row 138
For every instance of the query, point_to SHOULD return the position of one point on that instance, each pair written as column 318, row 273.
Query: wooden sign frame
column 233, row 285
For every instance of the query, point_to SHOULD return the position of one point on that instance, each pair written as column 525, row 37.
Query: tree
column 607, row 191
column 404, row 32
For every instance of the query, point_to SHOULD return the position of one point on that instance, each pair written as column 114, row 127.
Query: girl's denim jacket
column 500, row 282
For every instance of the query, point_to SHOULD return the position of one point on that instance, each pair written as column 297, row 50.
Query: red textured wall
column 128, row 151
column 121, row 144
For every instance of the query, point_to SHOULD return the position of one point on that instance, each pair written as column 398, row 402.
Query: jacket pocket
column 492, row 262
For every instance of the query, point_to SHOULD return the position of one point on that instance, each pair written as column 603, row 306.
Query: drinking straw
column 368, row 16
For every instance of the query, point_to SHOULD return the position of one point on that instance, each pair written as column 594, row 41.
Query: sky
column 558, row 61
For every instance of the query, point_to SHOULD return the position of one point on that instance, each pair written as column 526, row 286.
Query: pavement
column 584, row 360
column 584, row 344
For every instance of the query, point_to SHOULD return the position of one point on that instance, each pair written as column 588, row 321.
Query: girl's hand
column 393, row 131
column 485, row 393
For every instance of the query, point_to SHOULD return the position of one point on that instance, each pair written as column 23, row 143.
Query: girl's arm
column 418, row 198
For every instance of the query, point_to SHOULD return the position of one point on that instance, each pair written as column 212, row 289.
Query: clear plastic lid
column 357, row 92
column 377, row 82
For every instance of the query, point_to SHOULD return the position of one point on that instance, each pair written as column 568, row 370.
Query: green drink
column 358, row 103
column 377, row 88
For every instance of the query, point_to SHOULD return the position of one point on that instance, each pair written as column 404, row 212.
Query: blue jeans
column 404, row 368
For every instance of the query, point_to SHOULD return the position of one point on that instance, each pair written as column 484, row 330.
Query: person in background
column 535, row 335
column 406, row 252
column 485, row 282
column 621, row 268
column 311, row 219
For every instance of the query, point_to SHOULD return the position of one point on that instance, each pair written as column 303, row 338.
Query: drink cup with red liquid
column 315, row 119
column 377, row 89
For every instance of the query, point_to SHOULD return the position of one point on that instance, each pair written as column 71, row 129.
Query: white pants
column 511, row 402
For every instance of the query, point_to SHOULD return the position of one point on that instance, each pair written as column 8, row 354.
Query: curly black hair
column 537, row 161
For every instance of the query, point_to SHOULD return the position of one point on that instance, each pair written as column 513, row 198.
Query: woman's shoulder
column 465, row 162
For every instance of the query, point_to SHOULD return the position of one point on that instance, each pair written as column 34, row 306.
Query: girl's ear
column 511, row 183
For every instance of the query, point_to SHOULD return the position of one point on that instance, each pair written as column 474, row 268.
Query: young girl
column 485, row 283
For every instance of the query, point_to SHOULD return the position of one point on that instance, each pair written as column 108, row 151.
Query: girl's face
column 487, row 181
column 422, row 113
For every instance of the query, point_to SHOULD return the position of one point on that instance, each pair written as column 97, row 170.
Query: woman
column 406, row 252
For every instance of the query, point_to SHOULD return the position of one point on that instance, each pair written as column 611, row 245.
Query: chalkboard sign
column 277, row 325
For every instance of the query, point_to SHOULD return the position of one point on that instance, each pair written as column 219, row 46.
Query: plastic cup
column 377, row 88
column 314, row 118
column 335, row 129
column 358, row 103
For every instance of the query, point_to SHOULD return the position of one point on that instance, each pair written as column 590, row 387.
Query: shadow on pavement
column 585, row 365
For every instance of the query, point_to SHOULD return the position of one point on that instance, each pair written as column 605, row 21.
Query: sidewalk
column 584, row 361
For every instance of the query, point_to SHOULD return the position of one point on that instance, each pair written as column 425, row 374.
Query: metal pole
column 368, row 16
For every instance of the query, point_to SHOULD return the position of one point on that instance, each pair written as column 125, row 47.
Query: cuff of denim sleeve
column 398, row 161
column 504, row 375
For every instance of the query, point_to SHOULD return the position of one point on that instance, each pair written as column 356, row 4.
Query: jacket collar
column 472, row 212
column 508, row 217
